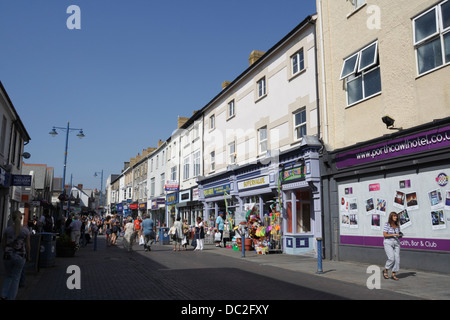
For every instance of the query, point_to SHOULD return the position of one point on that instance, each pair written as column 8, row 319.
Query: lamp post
column 54, row 133
column 101, row 187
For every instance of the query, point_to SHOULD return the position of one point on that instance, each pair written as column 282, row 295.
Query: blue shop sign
column 172, row 198
column 21, row 180
column 119, row 207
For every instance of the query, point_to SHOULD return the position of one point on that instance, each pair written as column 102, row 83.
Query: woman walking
column 16, row 251
column 130, row 235
column 200, row 230
column 178, row 225
column 391, row 233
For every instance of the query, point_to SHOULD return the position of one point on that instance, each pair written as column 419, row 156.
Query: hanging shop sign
column 172, row 198
column 171, row 185
column 133, row 206
column 215, row 191
column 21, row 180
column 251, row 183
column 425, row 141
column 292, row 174
column 143, row 206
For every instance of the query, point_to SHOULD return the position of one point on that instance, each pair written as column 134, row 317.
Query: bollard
column 319, row 256
column 243, row 244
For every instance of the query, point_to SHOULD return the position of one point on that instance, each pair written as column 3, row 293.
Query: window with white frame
column 261, row 84
column 186, row 167
column 298, row 62
column 196, row 164
column 163, row 181
column 299, row 124
column 232, row 152
column 212, row 122
column 357, row 3
column 262, row 137
column 152, row 187
column 212, row 161
column 231, row 109
column 361, row 72
column 432, row 38
column 173, row 173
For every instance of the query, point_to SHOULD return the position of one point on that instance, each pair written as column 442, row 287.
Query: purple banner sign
column 425, row 141
column 405, row 243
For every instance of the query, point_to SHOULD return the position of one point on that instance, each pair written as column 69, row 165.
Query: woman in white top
column 391, row 233
column 200, row 230
column 129, row 235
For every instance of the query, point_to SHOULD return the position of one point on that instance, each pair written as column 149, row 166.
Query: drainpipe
column 322, row 58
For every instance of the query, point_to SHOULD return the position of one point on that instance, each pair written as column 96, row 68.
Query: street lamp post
column 101, row 187
column 79, row 135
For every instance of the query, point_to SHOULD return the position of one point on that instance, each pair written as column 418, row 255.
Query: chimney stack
column 255, row 55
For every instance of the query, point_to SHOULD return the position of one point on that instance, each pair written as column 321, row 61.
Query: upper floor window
column 231, row 109
column 361, row 72
column 212, row 122
column 262, row 135
column 299, row 124
column 261, row 87
column 232, row 152
column 213, row 161
column 358, row 3
column 298, row 62
column 432, row 38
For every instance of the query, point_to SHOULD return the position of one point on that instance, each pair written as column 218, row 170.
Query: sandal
column 394, row 277
column 385, row 274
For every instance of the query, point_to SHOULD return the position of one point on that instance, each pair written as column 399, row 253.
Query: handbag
column 194, row 243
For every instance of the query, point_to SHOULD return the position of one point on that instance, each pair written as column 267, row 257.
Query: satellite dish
column 26, row 155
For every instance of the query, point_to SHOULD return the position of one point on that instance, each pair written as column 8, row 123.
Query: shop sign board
column 425, row 141
column 292, row 174
column 215, row 191
column 171, row 185
column 251, row 183
column 172, row 198
column 21, row 180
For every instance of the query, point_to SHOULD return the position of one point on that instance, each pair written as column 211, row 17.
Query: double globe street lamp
column 54, row 133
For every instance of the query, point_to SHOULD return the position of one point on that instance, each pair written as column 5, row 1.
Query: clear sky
column 125, row 76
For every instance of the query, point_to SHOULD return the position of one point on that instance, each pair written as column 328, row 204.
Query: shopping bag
column 194, row 243
column 217, row 236
column 141, row 240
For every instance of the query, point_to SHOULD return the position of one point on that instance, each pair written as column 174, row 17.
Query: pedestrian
column 108, row 230
column 129, row 235
column 185, row 240
column 94, row 231
column 137, row 227
column 200, row 230
column 148, row 231
column 75, row 230
column 220, row 224
column 115, row 225
column 16, row 251
column 47, row 222
column 391, row 233
column 178, row 225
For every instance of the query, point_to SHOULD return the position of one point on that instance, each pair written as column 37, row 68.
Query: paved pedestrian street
column 216, row 277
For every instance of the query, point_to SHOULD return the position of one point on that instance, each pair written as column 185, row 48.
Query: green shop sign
column 292, row 174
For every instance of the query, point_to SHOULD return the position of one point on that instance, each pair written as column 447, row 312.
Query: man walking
column 148, row 230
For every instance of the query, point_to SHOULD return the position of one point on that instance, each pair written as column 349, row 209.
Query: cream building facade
column 384, row 84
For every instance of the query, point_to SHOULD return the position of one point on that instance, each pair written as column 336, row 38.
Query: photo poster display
column 422, row 201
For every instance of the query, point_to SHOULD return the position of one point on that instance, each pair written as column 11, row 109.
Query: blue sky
column 125, row 76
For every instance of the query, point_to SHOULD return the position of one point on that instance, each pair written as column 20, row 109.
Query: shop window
column 432, row 38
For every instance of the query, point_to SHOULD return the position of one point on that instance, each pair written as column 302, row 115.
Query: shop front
column 171, row 207
column 189, row 207
column 158, row 211
column 407, row 173
column 299, row 179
